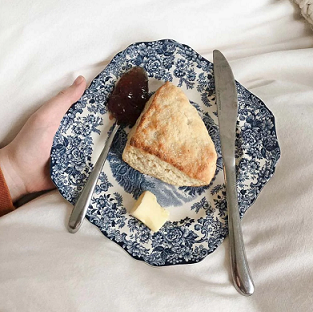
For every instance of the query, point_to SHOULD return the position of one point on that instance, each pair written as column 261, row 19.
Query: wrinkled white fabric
column 306, row 7
column 44, row 45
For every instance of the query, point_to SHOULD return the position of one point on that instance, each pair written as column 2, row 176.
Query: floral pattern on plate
column 198, row 223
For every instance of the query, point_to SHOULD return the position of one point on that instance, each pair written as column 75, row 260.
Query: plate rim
column 245, row 90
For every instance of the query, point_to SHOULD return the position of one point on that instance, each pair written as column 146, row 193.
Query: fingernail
column 78, row 80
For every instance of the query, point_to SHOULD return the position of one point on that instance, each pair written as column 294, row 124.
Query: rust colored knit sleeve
column 6, row 204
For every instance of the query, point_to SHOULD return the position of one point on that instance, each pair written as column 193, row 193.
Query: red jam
column 129, row 96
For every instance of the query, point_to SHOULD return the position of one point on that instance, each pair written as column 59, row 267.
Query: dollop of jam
column 129, row 96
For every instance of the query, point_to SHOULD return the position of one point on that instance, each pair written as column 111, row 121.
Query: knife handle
column 239, row 265
column 80, row 209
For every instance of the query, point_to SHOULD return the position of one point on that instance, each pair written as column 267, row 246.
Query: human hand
column 25, row 161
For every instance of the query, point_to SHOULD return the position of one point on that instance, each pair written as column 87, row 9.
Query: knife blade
column 227, row 108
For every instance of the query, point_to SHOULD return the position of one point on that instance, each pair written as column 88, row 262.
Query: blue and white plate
column 198, row 222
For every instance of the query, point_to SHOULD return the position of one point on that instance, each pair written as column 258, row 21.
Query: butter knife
column 227, row 106
column 80, row 209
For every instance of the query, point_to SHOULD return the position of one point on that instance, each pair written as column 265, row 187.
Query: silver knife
column 227, row 106
column 80, row 209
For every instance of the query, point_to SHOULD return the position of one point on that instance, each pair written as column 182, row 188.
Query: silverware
column 80, row 209
column 227, row 104
column 125, row 104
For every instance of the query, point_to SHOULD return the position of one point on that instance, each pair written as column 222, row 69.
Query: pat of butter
column 149, row 212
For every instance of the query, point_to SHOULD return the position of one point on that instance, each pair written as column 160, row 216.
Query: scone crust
column 171, row 129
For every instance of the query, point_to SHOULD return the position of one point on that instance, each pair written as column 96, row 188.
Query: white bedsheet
column 44, row 45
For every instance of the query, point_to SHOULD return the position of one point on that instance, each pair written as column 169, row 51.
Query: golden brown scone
column 170, row 141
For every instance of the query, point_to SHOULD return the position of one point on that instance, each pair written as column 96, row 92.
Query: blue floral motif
column 202, row 204
column 104, row 185
column 192, row 238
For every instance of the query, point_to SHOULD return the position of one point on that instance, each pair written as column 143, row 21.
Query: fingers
column 56, row 108
column 72, row 93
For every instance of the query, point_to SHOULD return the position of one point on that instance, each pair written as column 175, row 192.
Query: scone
column 170, row 141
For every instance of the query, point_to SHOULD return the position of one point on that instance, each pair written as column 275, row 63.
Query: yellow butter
column 149, row 212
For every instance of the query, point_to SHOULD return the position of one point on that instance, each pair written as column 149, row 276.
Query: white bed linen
column 44, row 45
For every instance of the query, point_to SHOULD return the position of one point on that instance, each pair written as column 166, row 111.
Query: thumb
column 59, row 105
